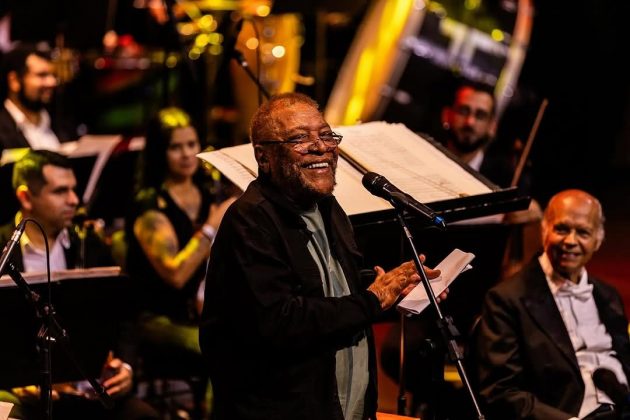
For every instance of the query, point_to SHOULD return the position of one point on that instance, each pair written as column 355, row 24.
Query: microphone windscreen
column 373, row 182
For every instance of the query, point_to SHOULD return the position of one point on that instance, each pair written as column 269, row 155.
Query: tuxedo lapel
column 542, row 308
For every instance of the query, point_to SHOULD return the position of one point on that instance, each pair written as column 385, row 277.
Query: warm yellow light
column 278, row 51
column 266, row 48
column 205, row 22
column 202, row 40
column 252, row 43
column 497, row 35
column 194, row 54
column 437, row 8
column 186, row 29
column 472, row 4
column 215, row 49
column 171, row 61
column 263, row 10
column 215, row 38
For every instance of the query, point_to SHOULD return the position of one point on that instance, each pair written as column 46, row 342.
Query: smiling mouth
column 319, row 165
column 569, row 255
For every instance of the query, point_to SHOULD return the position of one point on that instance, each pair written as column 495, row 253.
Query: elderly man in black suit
column 544, row 332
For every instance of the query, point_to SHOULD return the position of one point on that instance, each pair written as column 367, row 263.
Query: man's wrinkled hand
column 389, row 286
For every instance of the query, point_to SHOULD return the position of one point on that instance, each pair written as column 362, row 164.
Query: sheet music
column 5, row 410
column 239, row 165
column 409, row 162
column 100, row 146
column 90, row 145
column 413, row 164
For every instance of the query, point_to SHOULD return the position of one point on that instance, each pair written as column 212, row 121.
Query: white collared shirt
column 39, row 136
column 35, row 258
column 591, row 341
column 477, row 160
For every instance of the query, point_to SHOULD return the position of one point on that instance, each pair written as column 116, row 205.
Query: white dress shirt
column 35, row 259
column 591, row 341
column 39, row 136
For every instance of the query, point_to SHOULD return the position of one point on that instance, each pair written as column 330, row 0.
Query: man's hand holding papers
column 455, row 263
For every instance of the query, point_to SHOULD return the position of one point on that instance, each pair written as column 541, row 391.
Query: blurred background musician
column 170, row 233
column 468, row 131
column 28, row 83
column 44, row 184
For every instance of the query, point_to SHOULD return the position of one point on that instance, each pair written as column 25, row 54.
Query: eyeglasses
column 304, row 143
column 466, row 111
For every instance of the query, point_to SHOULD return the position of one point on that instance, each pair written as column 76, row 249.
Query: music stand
column 83, row 307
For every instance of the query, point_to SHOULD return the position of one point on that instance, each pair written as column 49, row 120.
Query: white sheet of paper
column 74, row 273
column 407, row 160
column 5, row 409
column 452, row 266
column 238, row 164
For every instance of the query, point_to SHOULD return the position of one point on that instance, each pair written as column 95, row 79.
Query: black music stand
column 84, row 309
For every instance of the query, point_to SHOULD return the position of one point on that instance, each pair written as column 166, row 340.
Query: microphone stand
column 445, row 324
column 240, row 59
column 52, row 332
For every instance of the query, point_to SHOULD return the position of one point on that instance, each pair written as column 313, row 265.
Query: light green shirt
column 352, row 362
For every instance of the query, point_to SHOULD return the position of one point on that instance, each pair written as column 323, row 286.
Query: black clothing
column 525, row 363
column 155, row 296
column 268, row 333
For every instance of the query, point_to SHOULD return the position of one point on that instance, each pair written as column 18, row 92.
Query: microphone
column 381, row 187
column 10, row 246
column 606, row 380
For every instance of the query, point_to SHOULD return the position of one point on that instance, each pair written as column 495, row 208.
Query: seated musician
column 27, row 86
column 44, row 184
column 545, row 334
column 170, row 232
column 469, row 126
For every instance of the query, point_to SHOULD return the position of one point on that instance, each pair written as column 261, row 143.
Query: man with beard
column 286, row 321
column 469, row 126
column 28, row 84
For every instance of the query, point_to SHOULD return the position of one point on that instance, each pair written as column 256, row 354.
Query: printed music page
column 73, row 273
column 408, row 161
column 238, row 164
column 100, row 146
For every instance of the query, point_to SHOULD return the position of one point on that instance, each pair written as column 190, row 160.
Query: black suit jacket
column 10, row 136
column 525, row 363
column 267, row 332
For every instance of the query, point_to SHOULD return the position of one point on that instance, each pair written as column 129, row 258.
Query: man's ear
column 13, row 81
column 600, row 235
column 24, row 196
column 262, row 159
